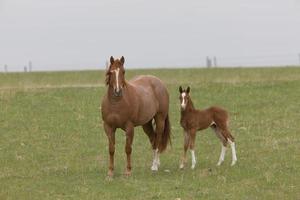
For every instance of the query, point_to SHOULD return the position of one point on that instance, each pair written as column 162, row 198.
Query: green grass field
column 52, row 143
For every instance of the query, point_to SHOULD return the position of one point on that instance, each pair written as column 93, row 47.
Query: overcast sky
column 82, row 34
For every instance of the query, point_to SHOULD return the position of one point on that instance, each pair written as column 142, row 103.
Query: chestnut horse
column 138, row 102
column 193, row 120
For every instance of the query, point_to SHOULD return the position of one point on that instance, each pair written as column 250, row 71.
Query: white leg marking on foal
column 157, row 158
column 155, row 162
column 222, row 155
column 181, row 166
column 193, row 159
column 234, row 158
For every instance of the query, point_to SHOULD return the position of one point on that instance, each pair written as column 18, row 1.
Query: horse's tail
column 166, row 136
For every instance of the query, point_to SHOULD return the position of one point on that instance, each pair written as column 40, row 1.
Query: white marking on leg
column 234, row 158
column 222, row 155
column 183, row 103
column 212, row 123
column 155, row 160
column 157, row 157
column 193, row 159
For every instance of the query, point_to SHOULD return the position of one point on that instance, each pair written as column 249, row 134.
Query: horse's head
column 184, row 97
column 115, row 75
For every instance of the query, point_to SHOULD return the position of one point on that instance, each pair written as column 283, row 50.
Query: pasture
column 53, row 146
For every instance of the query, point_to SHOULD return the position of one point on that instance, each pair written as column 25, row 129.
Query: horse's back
column 151, row 84
column 146, row 81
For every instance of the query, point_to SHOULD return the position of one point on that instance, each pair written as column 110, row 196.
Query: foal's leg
column 192, row 134
column 185, row 147
column 230, row 139
column 148, row 129
column 223, row 144
column 232, row 145
column 128, row 148
column 110, row 132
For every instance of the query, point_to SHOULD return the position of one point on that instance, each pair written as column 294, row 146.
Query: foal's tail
column 166, row 136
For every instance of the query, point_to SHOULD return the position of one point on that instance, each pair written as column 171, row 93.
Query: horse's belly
column 147, row 110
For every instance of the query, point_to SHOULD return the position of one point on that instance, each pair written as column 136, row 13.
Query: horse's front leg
column 185, row 148
column 110, row 132
column 128, row 148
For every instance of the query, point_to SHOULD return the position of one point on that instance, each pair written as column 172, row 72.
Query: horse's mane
column 107, row 77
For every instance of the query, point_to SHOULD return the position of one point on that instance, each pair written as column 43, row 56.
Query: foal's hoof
column 110, row 173
column 181, row 166
column 233, row 162
column 193, row 167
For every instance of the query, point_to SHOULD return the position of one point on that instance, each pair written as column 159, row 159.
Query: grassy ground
column 52, row 143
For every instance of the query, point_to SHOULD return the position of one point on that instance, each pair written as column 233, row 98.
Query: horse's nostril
column 118, row 92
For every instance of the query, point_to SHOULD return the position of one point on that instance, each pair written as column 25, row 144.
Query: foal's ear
column 188, row 89
column 180, row 89
column 112, row 60
column 122, row 60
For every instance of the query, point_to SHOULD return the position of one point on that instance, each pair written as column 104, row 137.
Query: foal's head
column 184, row 97
column 115, row 75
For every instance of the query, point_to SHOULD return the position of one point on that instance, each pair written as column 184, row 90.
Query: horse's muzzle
column 117, row 93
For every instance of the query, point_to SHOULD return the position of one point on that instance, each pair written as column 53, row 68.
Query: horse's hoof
column 154, row 168
column 181, row 166
column 193, row 167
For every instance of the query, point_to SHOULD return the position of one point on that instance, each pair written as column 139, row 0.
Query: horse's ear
column 180, row 89
column 188, row 89
column 112, row 60
column 122, row 60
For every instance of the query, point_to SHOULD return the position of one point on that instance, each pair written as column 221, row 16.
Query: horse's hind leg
column 159, row 129
column 148, row 129
column 223, row 144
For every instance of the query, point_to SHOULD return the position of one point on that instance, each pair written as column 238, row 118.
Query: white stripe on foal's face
column 183, row 102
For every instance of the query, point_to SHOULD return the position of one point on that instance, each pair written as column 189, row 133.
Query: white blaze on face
column 117, row 79
column 183, row 103
column 116, row 71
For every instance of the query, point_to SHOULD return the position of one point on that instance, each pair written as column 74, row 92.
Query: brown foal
column 193, row 120
column 137, row 102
